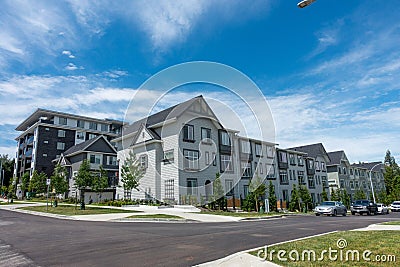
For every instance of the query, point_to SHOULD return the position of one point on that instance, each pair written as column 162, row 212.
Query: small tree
column 131, row 173
column 324, row 194
column 218, row 192
column 101, row 181
column 272, row 197
column 294, row 203
column 345, row 198
column 38, row 183
column 359, row 194
column 25, row 182
column 257, row 189
column 59, row 182
column 305, row 196
column 335, row 195
column 84, row 178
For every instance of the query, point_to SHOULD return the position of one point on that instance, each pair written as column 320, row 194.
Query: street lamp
column 305, row 3
column 370, row 179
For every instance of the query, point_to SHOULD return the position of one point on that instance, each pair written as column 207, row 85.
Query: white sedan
column 382, row 208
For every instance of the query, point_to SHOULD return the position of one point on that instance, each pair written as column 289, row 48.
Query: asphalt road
column 29, row 240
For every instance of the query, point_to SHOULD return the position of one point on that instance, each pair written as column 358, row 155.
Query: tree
column 59, row 182
column 84, row 178
column 101, row 181
column 335, row 195
column 392, row 177
column 38, row 183
column 359, row 194
column 271, row 197
column 324, row 194
column 345, row 197
column 218, row 192
column 25, row 182
column 294, row 203
column 305, row 196
column 131, row 173
column 7, row 165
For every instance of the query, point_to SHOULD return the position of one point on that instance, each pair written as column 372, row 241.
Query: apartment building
column 339, row 172
column 361, row 175
column 46, row 134
column 316, row 176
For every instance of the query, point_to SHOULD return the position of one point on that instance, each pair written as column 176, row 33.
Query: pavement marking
column 10, row 257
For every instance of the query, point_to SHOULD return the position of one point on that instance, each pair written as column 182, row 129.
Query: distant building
column 339, row 172
column 46, row 134
column 361, row 173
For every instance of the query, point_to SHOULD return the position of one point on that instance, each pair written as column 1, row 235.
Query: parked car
column 395, row 206
column 382, row 208
column 364, row 207
column 330, row 208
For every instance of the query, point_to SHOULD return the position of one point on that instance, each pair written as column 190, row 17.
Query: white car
column 382, row 208
column 395, row 206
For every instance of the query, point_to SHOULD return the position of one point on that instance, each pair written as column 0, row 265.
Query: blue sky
column 330, row 72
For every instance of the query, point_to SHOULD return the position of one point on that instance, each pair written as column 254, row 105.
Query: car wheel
column 368, row 213
column 334, row 212
column 344, row 212
column 353, row 213
column 317, row 214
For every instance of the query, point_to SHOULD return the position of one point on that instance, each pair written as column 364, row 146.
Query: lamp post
column 305, row 3
column 370, row 179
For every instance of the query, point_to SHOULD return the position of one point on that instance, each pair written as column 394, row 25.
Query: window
column 104, row 127
column 341, row 183
column 245, row 146
column 352, row 184
column 311, row 182
column 214, row 159
column 95, row 159
column 270, row 170
column 62, row 121
column 310, row 164
column 323, row 166
column 283, row 177
column 290, row 175
column 169, row 188
column 58, row 156
column 285, row 195
column 80, row 124
column 344, row 170
column 260, row 167
column 191, row 160
column 46, row 141
column 283, row 157
column 188, row 133
column 169, row 156
column 60, row 146
column 245, row 191
column 356, row 184
column 340, row 170
column 300, row 160
column 111, row 160
column 246, row 168
column 317, row 166
column 226, row 163
column 270, row 151
column 300, row 175
column 207, row 158
column 143, row 162
column 61, row 133
column 80, row 135
column 292, row 159
column 93, row 125
column 91, row 136
column 44, row 155
column 229, row 188
column 205, row 134
column 191, row 186
column 225, row 138
column 258, row 150
column 46, row 129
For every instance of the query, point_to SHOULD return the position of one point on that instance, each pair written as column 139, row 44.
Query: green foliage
column 335, row 195
column 344, row 197
column 294, row 203
column 59, row 182
column 272, row 197
column 85, row 177
column 324, row 194
column 38, row 183
column 257, row 191
column 392, row 178
column 101, row 181
column 25, row 181
column 305, row 197
column 131, row 172
column 359, row 194
column 7, row 165
column 218, row 193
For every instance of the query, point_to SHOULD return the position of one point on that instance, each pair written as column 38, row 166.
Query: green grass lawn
column 242, row 214
column 392, row 223
column 70, row 210
column 155, row 216
column 383, row 244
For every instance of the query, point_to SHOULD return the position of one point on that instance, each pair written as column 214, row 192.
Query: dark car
column 364, row 207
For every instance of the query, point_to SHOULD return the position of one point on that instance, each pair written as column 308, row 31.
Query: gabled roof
column 313, row 150
column 151, row 132
column 85, row 145
column 369, row 165
column 166, row 114
column 336, row 157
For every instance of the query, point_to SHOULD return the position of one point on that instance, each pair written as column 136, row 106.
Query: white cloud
column 68, row 53
column 72, row 66
column 8, row 150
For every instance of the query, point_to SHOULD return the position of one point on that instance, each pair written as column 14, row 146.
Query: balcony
column 30, row 140
column 28, row 153
column 47, row 121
